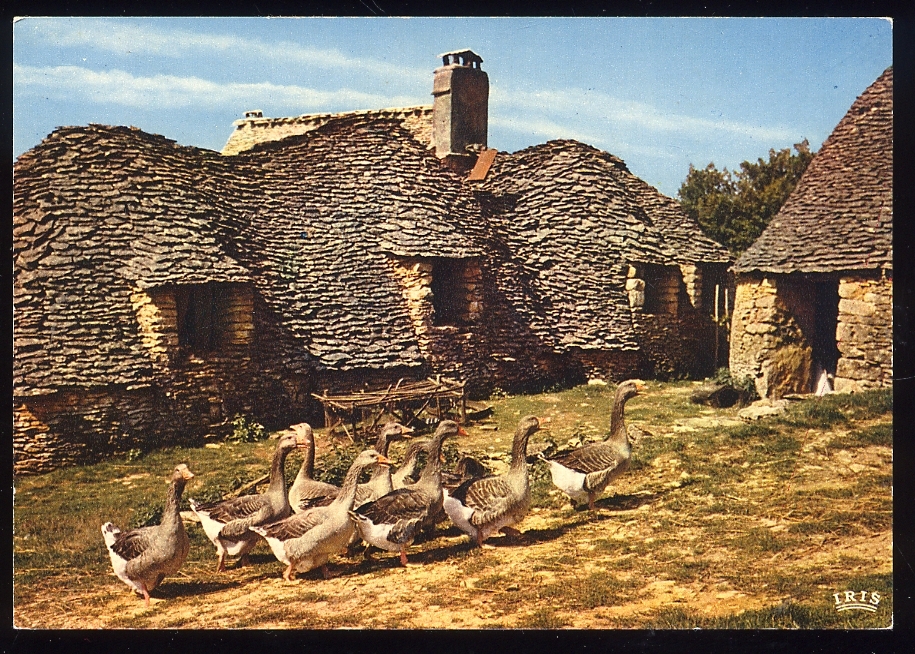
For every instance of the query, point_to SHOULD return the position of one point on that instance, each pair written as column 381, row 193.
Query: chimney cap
column 254, row 113
column 461, row 57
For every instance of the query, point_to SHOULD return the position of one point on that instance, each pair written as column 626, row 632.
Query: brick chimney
column 460, row 107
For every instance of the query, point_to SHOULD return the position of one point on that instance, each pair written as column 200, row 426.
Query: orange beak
column 461, row 431
column 385, row 461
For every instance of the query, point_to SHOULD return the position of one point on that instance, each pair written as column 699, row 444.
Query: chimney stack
column 460, row 107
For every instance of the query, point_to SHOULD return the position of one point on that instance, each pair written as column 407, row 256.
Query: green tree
column 734, row 207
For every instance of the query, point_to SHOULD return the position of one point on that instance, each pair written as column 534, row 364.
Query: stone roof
column 569, row 220
column 311, row 221
column 251, row 131
column 681, row 235
column 326, row 210
column 839, row 217
column 99, row 211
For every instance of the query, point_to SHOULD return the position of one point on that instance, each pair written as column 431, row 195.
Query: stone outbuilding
column 813, row 309
column 159, row 289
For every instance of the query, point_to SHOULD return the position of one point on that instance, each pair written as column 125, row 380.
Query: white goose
column 381, row 481
column 401, row 476
column 307, row 540
column 584, row 473
column 306, row 491
column 143, row 557
column 227, row 523
column 392, row 522
column 481, row 507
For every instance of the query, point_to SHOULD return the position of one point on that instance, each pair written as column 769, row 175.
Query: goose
column 466, row 468
column 143, row 557
column 381, row 483
column 306, row 491
column 392, row 522
column 401, row 476
column 307, row 540
column 227, row 522
column 481, row 507
column 585, row 472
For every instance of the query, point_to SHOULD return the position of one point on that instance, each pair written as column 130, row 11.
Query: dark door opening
column 825, row 320
column 448, row 294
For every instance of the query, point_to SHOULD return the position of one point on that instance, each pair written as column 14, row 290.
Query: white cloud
column 124, row 38
column 170, row 91
column 574, row 105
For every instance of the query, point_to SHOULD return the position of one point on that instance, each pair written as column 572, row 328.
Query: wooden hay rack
column 429, row 400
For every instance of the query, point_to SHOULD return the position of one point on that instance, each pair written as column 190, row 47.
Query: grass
column 762, row 508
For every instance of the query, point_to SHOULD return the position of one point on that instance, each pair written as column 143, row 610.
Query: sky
column 660, row 93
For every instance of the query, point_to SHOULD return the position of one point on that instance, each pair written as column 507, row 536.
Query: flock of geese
column 313, row 521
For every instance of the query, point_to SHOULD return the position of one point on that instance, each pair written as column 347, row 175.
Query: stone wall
column 766, row 341
column 189, row 395
column 864, row 334
column 80, row 426
column 673, row 335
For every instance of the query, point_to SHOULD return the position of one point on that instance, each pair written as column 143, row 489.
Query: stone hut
column 160, row 289
column 814, row 300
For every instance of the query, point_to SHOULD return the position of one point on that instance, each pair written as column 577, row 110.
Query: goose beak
column 461, row 431
column 187, row 474
column 545, row 420
column 406, row 431
column 385, row 461
column 640, row 385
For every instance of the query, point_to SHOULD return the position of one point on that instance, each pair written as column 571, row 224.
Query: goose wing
column 597, row 481
column 239, row 513
column 312, row 493
column 404, row 509
column 131, row 544
column 297, row 525
column 306, row 503
column 591, row 458
column 490, row 498
column 401, row 504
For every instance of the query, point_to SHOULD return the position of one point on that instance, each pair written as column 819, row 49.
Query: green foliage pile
column 734, row 208
column 246, row 430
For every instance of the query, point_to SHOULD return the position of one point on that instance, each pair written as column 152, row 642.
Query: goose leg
column 289, row 572
column 590, row 501
column 243, row 561
column 480, row 538
column 510, row 531
column 325, row 572
column 221, row 563
column 145, row 594
column 403, row 555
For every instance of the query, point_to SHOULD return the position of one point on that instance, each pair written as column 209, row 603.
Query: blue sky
column 660, row 93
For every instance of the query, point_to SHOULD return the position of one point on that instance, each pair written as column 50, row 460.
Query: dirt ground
column 666, row 540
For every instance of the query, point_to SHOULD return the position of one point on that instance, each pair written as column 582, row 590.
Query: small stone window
column 660, row 289
column 202, row 315
column 455, row 290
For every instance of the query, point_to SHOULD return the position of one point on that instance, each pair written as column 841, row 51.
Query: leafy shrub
column 744, row 384
column 246, row 430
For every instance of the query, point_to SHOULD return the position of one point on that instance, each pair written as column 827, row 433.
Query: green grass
column 879, row 434
column 543, row 618
column 704, row 528
column 589, row 592
column 817, row 611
